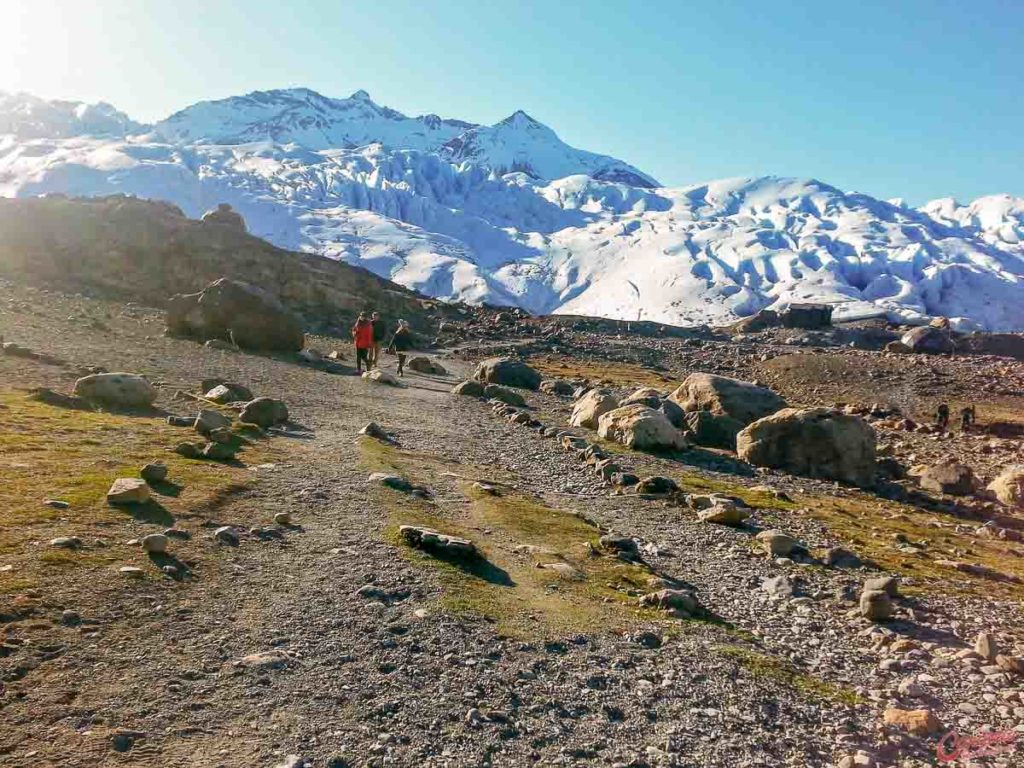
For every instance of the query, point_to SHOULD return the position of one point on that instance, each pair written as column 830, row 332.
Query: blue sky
column 914, row 99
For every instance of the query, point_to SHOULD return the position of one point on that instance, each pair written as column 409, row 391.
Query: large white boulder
column 121, row 390
column 642, row 428
column 591, row 407
column 816, row 442
column 1009, row 486
column 723, row 396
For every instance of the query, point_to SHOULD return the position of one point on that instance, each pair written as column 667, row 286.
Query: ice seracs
column 511, row 214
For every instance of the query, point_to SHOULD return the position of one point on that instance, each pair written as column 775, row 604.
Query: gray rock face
column 815, row 442
column 121, row 390
column 948, row 477
column 264, row 412
column 723, row 396
column 711, row 430
column 875, row 605
column 509, row 372
column 236, row 311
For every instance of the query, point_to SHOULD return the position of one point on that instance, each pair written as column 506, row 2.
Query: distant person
column 401, row 343
column 380, row 331
column 942, row 417
column 362, row 335
column 967, row 417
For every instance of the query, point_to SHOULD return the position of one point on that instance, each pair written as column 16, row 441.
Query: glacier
column 509, row 214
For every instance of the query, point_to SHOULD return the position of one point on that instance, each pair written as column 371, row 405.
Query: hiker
column 942, row 417
column 401, row 343
column 379, row 332
column 967, row 417
column 362, row 335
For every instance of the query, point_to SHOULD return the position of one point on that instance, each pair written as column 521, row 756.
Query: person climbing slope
column 401, row 343
column 362, row 335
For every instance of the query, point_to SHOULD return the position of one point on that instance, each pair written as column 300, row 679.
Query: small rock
column 226, row 535
column 56, row 504
column 918, row 722
column 128, row 490
column 777, row 543
column 66, row 542
column 986, row 646
column 155, row 542
column 724, row 513
column 154, row 472
column 131, row 571
column 431, row 540
column 657, row 486
column 888, row 584
column 70, row 618
column 778, row 586
column 283, row 518
column 875, row 605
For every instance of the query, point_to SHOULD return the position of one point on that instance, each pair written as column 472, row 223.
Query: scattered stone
column 816, row 442
column 226, row 535
column 559, row 387
column 469, row 389
column 155, row 542
column 128, row 490
column 918, row 722
column 208, row 420
column 434, row 541
column 222, row 435
column 266, row 660
column 376, row 432
column 648, row 396
column 283, row 518
column 66, row 542
column 225, row 392
column 391, row 481
column 723, row 396
column 948, row 477
column 624, row 479
column 505, row 395
column 927, row 339
column 888, row 584
column 875, row 605
column 189, row 450
column 617, row 543
column 509, row 372
column 264, row 412
column 120, row 390
column 381, row 377
column 423, row 364
column 656, row 485
column 839, row 557
column 181, row 421
column 640, row 428
column 131, row 571
column 70, row 618
column 1013, row 665
column 56, row 504
column 218, row 452
column 986, row 646
column 724, row 513
column 778, row 586
column 713, row 431
column 777, row 543
column 154, row 472
column 672, row 600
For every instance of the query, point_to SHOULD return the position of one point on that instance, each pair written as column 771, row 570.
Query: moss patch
column 74, row 456
column 605, row 372
column 774, row 670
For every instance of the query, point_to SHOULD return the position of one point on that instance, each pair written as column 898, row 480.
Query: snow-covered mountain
column 510, row 214
column 27, row 117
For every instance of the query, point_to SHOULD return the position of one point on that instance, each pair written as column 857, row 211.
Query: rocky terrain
column 269, row 609
column 554, row 541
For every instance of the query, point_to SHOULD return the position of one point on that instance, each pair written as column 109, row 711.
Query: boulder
column 645, row 396
column 948, row 477
column 671, row 600
column 642, row 428
column 155, row 542
column 381, row 377
column 233, row 310
column 128, row 490
column 154, row 472
column 816, row 442
column 226, row 392
column 766, row 318
column 264, row 412
column 711, row 430
column 724, row 513
column 656, row 486
column 591, row 407
column 423, row 364
column 225, row 216
column 121, row 390
column 509, row 372
column 208, row 420
column 888, row 584
column 673, row 413
column 505, row 395
column 928, row 339
column 917, row 722
column 875, row 605
column 1009, row 486
column 808, row 316
column 723, row 396
column 777, row 543
column 559, row 387
column 624, row 479
column 436, row 542
column 469, row 389
column 218, row 452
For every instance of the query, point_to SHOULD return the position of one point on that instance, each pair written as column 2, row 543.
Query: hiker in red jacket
column 362, row 335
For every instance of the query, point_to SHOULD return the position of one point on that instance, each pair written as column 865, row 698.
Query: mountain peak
column 360, row 95
column 519, row 119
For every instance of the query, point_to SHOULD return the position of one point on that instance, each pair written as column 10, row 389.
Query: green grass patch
column 774, row 670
